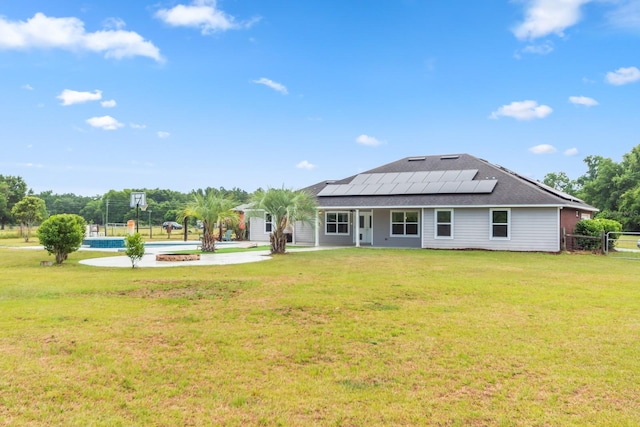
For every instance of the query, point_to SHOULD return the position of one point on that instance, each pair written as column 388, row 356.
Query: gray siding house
column 440, row 202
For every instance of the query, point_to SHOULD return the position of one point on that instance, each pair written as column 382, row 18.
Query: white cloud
column 626, row 15
column 108, row 104
column 539, row 49
column 583, row 100
column 202, row 14
column 137, row 126
column 544, row 17
column 163, row 135
column 306, row 165
column 571, row 152
column 70, row 97
column 543, row 149
column 368, row 140
column 622, row 76
column 27, row 87
column 114, row 24
column 273, row 85
column 523, row 110
column 46, row 32
column 105, row 123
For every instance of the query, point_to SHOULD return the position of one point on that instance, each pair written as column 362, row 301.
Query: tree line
column 612, row 187
column 111, row 207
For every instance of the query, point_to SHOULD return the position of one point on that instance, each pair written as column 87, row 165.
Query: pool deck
column 149, row 258
column 119, row 260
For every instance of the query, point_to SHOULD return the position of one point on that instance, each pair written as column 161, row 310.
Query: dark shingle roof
column 511, row 189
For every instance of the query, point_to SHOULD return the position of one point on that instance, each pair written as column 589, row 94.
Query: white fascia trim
column 401, row 207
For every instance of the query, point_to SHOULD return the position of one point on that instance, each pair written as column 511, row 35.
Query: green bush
column 596, row 228
column 135, row 248
column 62, row 234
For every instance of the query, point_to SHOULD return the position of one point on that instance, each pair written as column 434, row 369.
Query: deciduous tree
column 61, row 235
column 134, row 248
column 16, row 189
column 29, row 211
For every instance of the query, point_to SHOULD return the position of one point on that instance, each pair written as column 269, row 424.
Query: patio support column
column 356, row 220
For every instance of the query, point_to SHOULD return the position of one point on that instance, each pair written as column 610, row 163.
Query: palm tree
column 210, row 208
column 286, row 207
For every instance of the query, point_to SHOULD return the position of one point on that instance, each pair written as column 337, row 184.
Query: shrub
column 596, row 228
column 62, row 234
column 135, row 248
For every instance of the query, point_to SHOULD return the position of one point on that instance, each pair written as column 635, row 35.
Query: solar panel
column 434, row 176
column 486, row 186
column 421, row 182
column 467, row 174
column 328, row 190
column 360, row 179
column 450, row 176
column 373, row 178
column 388, row 178
column 419, row 176
column 402, row 188
column 467, row 186
column 417, row 188
column 403, row 177
column 449, row 187
column 371, row 189
column 386, row 189
column 354, row 190
column 341, row 190
column 433, row 187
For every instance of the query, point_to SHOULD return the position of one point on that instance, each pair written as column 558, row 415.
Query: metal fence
column 579, row 242
column 622, row 245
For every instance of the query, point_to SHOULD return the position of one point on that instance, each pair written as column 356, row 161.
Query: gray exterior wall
column 382, row 231
column 336, row 240
column 531, row 229
column 256, row 230
column 305, row 233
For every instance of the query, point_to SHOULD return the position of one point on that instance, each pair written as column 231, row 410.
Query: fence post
column 605, row 245
column 564, row 239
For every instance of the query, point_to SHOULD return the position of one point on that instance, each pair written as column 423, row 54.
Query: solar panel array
column 423, row 182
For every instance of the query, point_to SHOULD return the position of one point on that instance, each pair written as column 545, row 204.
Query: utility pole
column 106, row 220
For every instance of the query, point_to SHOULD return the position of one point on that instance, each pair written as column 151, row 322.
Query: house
column 440, row 202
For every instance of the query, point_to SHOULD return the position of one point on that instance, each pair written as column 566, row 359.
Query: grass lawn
column 352, row 337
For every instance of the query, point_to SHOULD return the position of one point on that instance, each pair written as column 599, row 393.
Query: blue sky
column 183, row 94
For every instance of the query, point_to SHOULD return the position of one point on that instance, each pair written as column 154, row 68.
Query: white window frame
column 337, row 223
column 268, row 223
column 391, row 223
column 492, row 224
column 436, row 224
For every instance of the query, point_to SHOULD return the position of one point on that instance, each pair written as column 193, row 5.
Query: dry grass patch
column 185, row 289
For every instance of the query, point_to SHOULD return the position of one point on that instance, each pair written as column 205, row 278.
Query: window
column 500, row 223
column 268, row 223
column 444, row 224
column 404, row 223
column 337, row 223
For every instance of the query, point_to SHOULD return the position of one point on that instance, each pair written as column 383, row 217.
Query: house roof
column 440, row 181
